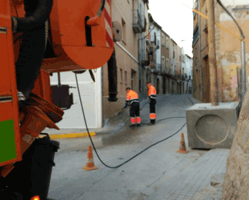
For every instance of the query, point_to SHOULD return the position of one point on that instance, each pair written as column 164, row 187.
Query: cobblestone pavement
column 195, row 177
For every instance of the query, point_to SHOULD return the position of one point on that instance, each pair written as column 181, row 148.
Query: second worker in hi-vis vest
column 152, row 97
column 132, row 100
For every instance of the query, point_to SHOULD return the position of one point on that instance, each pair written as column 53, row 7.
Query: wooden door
column 206, row 80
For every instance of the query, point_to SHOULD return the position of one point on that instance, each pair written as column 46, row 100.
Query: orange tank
column 78, row 45
column 80, row 39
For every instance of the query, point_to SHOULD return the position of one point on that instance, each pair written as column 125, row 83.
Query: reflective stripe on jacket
column 131, row 97
column 152, row 92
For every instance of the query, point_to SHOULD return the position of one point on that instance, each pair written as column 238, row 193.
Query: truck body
column 79, row 38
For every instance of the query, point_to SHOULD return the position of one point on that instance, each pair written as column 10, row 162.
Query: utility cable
column 115, row 167
column 224, row 8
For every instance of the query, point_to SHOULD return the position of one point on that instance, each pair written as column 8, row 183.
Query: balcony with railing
column 165, row 69
column 156, row 43
column 152, row 57
column 168, row 71
column 196, row 35
column 144, row 57
column 138, row 22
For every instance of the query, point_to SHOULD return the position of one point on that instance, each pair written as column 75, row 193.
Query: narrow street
column 152, row 175
column 71, row 71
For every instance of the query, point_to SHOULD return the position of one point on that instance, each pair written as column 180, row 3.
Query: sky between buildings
column 176, row 19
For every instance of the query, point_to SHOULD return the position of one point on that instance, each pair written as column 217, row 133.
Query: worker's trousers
column 135, row 113
column 152, row 111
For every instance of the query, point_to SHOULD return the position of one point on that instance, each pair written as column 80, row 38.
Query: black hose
column 114, row 167
column 37, row 13
column 34, row 40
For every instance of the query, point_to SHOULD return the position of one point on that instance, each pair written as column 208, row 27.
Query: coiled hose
column 35, row 33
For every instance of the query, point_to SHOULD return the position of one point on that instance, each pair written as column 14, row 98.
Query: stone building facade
column 228, row 51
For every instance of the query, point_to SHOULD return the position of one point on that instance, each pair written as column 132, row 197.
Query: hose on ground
column 115, row 167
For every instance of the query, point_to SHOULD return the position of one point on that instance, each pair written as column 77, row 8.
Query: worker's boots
column 153, row 121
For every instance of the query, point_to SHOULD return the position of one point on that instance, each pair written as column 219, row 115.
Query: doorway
column 164, row 85
column 158, row 86
column 206, row 80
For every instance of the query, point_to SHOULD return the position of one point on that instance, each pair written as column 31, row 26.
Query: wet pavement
column 144, row 177
column 168, row 106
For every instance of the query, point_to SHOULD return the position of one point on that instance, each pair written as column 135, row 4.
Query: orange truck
column 37, row 38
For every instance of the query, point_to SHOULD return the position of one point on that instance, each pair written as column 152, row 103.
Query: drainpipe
column 139, row 66
column 200, row 67
column 243, row 65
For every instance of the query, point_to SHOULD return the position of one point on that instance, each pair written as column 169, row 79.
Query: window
column 163, row 61
column 124, row 31
column 167, row 42
column 167, row 63
column 125, row 77
column 121, row 75
column 172, row 68
column 163, row 41
column 173, row 51
column 133, row 79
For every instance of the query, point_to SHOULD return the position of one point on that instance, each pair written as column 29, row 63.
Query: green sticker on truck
column 7, row 141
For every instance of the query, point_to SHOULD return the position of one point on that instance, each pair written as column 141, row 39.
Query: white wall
column 91, row 98
column 173, row 60
column 158, row 37
column 183, row 64
column 189, row 66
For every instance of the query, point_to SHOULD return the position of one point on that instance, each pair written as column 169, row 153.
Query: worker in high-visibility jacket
column 152, row 97
column 132, row 100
